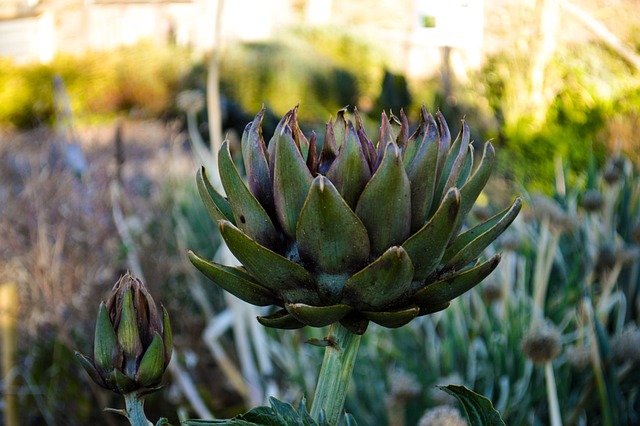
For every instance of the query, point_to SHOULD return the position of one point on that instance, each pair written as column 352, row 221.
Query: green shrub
column 143, row 78
column 328, row 69
column 588, row 88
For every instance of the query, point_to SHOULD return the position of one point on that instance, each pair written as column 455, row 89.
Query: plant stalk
column 555, row 418
column 335, row 374
column 135, row 410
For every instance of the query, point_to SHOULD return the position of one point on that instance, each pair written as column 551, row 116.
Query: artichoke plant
column 354, row 231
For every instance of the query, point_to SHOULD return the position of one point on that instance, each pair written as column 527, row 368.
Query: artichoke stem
column 335, row 373
column 135, row 409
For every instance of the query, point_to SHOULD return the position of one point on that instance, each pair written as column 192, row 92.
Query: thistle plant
column 351, row 232
column 132, row 347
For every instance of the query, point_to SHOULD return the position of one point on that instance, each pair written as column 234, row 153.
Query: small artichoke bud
column 542, row 343
column 132, row 345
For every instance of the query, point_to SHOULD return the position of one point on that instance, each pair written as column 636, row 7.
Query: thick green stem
column 339, row 359
column 135, row 410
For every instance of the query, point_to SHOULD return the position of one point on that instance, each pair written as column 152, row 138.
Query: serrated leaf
column 479, row 410
column 349, row 420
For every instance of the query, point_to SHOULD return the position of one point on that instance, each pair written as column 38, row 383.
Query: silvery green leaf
column 479, row 410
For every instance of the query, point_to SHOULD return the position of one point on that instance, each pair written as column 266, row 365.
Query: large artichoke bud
column 132, row 345
column 354, row 232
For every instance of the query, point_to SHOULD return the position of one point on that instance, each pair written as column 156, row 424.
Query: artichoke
column 133, row 343
column 353, row 231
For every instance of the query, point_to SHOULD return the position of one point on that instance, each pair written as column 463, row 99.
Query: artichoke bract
column 132, row 344
column 354, row 231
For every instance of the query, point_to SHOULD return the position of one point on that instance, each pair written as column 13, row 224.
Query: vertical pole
column 8, row 324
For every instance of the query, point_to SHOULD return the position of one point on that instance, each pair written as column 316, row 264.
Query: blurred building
column 413, row 30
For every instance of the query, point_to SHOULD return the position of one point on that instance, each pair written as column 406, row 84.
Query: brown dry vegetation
column 58, row 241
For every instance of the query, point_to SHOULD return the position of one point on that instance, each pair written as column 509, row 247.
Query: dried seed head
column 625, row 345
column 190, row 101
column 542, row 342
column 606, row 258
column 443, row 398
column 627, row 254
column 610, row 255
column 492, row 291
column 442, row 416
column 635, row 233
column 404, row 386
column 614, row 170
column 559, row 220
column 510, row 241
column 592, row 200
column 545, row 207
column 579, row 357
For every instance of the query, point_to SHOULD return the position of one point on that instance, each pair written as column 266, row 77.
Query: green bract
column 133, row 344
column 354, row 232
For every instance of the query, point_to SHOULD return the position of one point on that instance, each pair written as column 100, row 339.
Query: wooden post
column 8, row 327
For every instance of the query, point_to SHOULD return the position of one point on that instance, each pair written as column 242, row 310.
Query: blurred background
column 107, row 108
